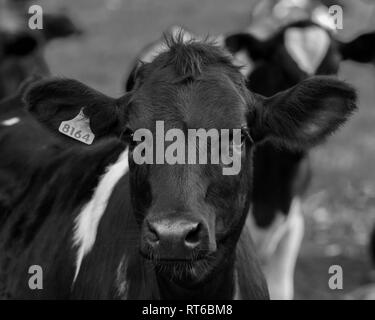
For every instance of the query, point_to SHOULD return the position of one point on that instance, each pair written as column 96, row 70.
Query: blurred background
column 340, row 205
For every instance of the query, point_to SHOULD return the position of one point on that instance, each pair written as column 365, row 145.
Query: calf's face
column 190, row 213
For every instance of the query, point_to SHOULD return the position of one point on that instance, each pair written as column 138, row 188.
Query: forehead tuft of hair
column 189, row 57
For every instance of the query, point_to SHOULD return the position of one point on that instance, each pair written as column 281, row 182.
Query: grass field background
column 340, row 205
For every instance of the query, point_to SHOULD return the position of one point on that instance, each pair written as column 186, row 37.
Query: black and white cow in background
column 22, row 49
column 299, row 50
column 159, row 231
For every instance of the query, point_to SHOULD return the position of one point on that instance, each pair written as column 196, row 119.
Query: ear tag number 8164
column 78, row 128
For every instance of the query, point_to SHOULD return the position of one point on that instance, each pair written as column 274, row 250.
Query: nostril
column 152, row 234
column 193, row 237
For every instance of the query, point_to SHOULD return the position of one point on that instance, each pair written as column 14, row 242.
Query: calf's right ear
column 304, row 115
column 53, row 101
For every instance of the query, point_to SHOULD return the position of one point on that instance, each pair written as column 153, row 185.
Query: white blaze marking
column 10, row 122
column 87, row 222
column 307, row 47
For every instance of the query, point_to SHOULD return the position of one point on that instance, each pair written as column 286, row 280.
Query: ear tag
column 78, row 128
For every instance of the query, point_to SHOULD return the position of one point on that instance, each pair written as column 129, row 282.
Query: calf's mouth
column 192, row 270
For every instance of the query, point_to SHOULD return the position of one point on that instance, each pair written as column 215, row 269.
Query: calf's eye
column 127, row 136
column 245, row 136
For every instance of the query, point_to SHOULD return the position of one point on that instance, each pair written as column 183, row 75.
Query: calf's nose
column 175, row 239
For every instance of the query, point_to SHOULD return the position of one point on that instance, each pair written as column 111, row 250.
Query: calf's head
column 190, row 213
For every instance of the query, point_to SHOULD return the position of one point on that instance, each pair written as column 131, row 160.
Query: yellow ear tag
column 78, row 128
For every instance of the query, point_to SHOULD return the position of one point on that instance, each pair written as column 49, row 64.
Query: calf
column 178, row 227
column 53, row 208
column 296, row 52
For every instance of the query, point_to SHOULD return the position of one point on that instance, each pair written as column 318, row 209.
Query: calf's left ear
column 304, row 115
